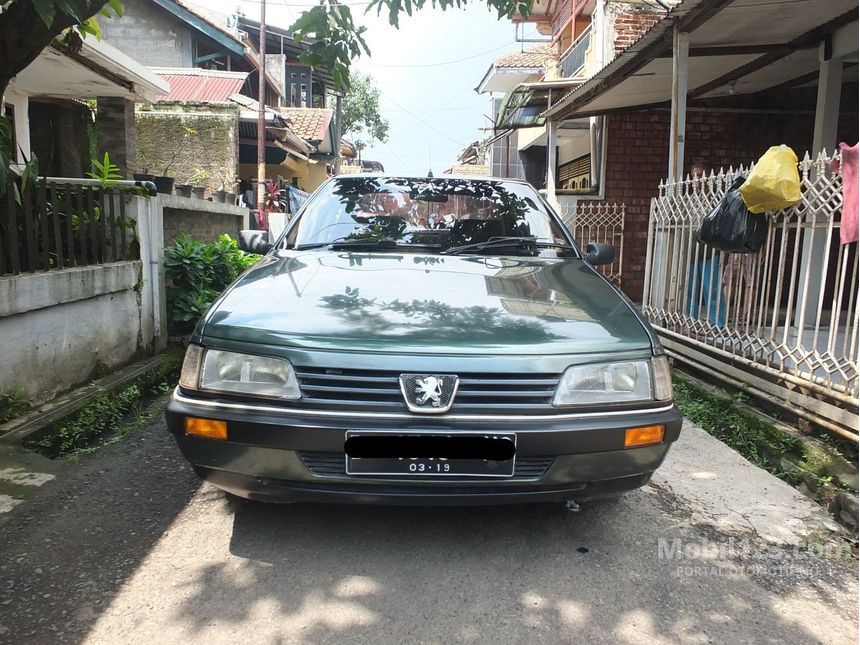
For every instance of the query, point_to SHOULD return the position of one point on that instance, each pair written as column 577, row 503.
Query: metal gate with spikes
column 598, row 222
column 782, row 323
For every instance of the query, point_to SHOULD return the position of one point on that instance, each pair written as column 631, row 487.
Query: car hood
column 426, row 304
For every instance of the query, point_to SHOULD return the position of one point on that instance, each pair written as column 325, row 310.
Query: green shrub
column 197, row 273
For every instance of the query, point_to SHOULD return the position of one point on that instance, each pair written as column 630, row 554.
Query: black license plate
column 433, row 455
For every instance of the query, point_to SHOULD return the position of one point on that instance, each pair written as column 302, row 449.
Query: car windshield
column 440, row 214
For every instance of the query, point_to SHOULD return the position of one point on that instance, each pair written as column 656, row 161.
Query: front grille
column 332, row 464
column 479, row 393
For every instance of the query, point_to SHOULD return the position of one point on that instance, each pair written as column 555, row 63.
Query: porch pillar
column 551, row 161
column 812, row 270
column 827, row 103
column 678, row 119
column 116, row 132
column 677, row 130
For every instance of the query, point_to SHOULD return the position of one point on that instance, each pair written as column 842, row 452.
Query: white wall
column 58, row 326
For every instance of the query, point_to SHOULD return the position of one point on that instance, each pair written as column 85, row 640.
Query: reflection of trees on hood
column 432, row 320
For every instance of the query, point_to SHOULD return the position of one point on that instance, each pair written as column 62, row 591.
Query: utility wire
column 424, row 121
column 447, row 62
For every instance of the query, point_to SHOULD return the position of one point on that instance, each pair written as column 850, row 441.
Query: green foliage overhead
column 337, row 40
column 81, row 11
column 361, row 118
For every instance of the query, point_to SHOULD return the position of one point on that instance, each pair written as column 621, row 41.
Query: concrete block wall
column 201, row 220
column 150, row 34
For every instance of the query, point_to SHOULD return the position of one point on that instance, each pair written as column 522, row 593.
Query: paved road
column 127, row 547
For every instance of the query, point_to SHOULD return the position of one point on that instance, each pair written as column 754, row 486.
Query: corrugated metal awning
column 736, row 47
column 200, row 85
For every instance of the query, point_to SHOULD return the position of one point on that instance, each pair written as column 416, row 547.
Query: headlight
column 219, row 371
column 623, row 382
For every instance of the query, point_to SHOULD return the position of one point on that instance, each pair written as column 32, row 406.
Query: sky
column 426, row 71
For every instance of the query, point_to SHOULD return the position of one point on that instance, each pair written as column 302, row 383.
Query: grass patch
column 722, row 416
column 112, row 415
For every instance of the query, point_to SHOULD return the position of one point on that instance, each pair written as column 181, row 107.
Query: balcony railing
column 573, row 60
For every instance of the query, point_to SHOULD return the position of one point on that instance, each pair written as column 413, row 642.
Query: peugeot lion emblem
column 429, row 393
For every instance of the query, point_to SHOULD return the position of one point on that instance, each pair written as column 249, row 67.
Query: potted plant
column 273, row 199
column 143, row 167
column 227, row 183
column 198, row 190
column 164, row 182
column 182, row 190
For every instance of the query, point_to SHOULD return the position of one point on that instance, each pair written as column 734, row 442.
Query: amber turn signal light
column 207, row 428
column 647, row 436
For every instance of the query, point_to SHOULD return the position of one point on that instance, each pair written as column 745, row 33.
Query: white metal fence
column 782, row 322
column 590, row 221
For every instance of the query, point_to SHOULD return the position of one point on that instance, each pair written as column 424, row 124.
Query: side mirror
column 597, row 254
column 255, row 242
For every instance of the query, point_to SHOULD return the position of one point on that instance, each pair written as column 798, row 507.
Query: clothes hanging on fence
column 739, row 266
column 848, row 226
column 705, row 291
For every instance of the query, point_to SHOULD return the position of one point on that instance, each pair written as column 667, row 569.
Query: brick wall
column 185, row 138
column 637, row 159
column 629, row 20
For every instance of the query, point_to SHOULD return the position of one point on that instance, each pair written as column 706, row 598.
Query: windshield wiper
column 501, row 242
column 372, row 245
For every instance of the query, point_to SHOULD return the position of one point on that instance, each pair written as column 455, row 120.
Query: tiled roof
column 310, row 124
column 200, row 85
column 533, row 57
column 472, row 170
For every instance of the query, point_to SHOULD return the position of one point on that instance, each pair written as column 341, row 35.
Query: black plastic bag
column 730, row 227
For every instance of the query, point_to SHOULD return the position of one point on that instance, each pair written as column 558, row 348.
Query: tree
column 360, row 111
column 336, row 40
column 27, row 27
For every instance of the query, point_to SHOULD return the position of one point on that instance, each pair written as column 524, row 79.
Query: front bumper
column 268, row 455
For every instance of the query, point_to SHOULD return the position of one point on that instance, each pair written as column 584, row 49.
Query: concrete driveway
column 127, row 547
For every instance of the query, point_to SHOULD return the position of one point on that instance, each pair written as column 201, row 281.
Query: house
column 213, row 64
column 518, row 152
column 711, row 85
column 472, row 161
column 51, row 105
column 617, row 152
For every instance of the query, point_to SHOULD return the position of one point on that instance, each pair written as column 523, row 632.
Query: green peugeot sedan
column 424, row 341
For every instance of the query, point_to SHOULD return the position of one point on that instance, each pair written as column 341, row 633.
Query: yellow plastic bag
column 773, row 183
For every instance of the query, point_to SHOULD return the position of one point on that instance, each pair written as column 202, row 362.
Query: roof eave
column 222, row 37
